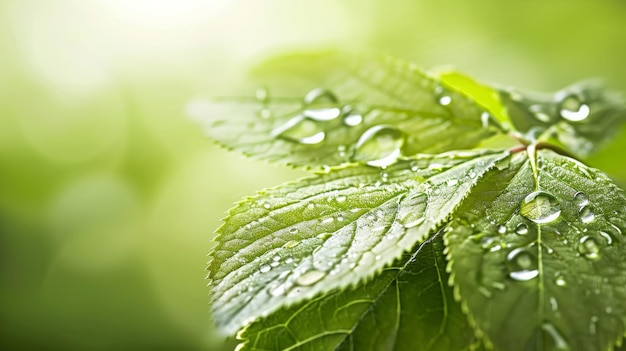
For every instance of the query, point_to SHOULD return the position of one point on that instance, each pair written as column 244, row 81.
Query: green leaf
column 484, row 95
column 580, row 117
column 408, row 306
column 538, row 256
column 295, row 241
column 335, row 108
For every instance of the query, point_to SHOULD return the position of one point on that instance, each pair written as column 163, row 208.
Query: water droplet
column 522, row 264
column 266, row 205
column 485, row 117
column 445, row 100
column 379, row 146
column 487, row 242
column 341, row 151
column 324, row 236
column 320, row 96
column 589, row 248
column 352, row 118
column 540, row 112
column 554, row 304
column 322, row 114
column 311, row 277
column 572, row 109
column 560, row 281
column 310, row 206
column 485, row 292
column 265, row 268
column 278, row 290
column 452, row 182
column 581, row 199
column 262, row 94
column 501, row 229
column 495, row 248
column 586, row 215
column 327, row 220
column 435, row 166
column 557, row 338
column 522, row 229
column 593, row 324
column 300, row 130
column 498, row 285
column 293, row 230
column 608, row 237
column 412, row 211
column 540, row 207
column 265, row 113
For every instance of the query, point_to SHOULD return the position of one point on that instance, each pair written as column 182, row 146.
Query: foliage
column 444, row 214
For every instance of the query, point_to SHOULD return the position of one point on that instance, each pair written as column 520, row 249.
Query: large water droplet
column 572, row 109
column 300, row 130
column 540, row 207
column 586, row 215
column 379, row 146
column 311, row 277
column 560, row 281
column 522, row 264
column 589, row 248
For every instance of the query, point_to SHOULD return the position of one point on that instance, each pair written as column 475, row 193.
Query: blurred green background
column 109, row 194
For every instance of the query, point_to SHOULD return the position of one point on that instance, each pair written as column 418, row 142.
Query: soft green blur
column 109, row 194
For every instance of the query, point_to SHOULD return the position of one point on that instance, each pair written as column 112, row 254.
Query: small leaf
column 367, row 109
column 331, row 231
column 539, row 258
column 408, row 306
column 579, row 117
column 483, row 95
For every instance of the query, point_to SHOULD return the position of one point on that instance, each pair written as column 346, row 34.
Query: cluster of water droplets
column 379, row 145
column 319, row 107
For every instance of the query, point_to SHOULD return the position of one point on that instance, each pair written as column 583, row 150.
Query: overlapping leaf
column 331, row 231
column 539, row 258
column 408, row 306
column 352, row 108
column 580, row 117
